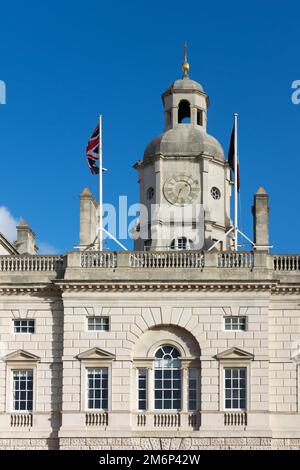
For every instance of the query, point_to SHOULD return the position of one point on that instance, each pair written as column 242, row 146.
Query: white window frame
column 94, row 364
column 94, row 317
column 14, row 371
column 235, row 363
column 20, row 360
column 148, row 363
column 197, row 370
column 138, row 389
column 226, row 367
column 24, row 320
column 10, row 386
column 88, row 409
column 238, row 317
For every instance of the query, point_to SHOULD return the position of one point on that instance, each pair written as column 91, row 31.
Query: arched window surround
column 189, row 359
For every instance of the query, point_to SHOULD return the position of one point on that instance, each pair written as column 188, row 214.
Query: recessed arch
column 148, row 343
column 184, row 112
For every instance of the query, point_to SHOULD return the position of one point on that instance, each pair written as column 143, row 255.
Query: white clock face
column 181, row 190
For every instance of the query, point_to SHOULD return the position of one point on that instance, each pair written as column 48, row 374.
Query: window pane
column 142, row 389
column 235, row 323
column 235, row 388
column 167, row 374
column 193, row 388
column 98, row 323
column 22, row 390
column 97, row 388
column 24, row 326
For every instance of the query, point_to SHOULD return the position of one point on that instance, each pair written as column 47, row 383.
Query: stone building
column 170, row 346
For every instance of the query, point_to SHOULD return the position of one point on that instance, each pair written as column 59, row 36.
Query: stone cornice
column 55, row 287
column 10, row 289
column 187, row 157
column 209, row 286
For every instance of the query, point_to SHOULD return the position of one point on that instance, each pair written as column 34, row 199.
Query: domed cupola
column 184, row 179
column 185, row 107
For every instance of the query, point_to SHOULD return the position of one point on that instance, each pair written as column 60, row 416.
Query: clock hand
column 178, row 194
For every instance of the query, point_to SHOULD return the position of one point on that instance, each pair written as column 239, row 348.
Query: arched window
column 167, row 379
column 181, row 243
column 184, row 112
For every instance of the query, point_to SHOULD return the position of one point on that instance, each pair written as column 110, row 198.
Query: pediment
column 21, row 356
column 95, row 353
column 235, row 353
column 6, row 248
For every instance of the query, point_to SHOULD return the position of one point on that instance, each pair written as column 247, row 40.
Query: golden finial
column 185, row 64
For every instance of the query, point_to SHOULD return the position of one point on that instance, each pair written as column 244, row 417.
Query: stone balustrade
column 243, row 259
column 150, row 260
column 171, row 421
column 98, row 259
column 166, row 259
column 286, row 262
column 237, row 418
column 21, row 420
column 31, row 263
column 96, row 419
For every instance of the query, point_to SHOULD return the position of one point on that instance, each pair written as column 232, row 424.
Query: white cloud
column 8, row 224
column 46, row 249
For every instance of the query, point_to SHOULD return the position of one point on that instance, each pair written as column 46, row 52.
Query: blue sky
column 63, row 62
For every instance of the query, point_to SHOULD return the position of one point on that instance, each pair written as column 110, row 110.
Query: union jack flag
column 92, row 151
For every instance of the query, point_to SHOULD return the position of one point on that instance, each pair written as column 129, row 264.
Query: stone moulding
column 162, row 286
column 55, row 287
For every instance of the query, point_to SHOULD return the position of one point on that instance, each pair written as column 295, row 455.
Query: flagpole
column 100, row 187
column 235, row 184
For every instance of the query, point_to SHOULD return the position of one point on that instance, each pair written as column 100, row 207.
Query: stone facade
column 159, row 349
column 147, row 306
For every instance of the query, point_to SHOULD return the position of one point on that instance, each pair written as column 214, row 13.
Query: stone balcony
column 185, row 266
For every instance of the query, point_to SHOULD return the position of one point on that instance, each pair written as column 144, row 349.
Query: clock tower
column 183, row 177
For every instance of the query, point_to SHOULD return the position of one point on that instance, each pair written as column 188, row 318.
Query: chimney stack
column 260, row 212
column 88, row 219
column 25, row 243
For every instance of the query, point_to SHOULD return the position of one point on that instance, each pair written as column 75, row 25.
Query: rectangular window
column 22, row 390
column 235, row 388
column 182, row 242
column 98, row 324
column 23, row 326
column 193, row 389
column 142, row 389
column 235, row 323
column 97, row 388
column 167, row 384
column 199, row 117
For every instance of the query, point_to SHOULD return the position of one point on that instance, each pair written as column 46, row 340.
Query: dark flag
column 92, row 151
column 231, row 156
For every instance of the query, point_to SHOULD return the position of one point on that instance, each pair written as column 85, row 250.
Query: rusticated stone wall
column 152, row 443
